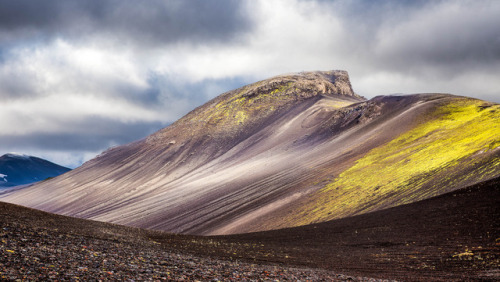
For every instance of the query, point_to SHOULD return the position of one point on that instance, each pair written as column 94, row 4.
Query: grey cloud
column 445, row 34
column 423, row 32
column 131, row 26
column 136, row 22
column 166, row 94
column 13, row 87
column 92, row 134
column 28, row 14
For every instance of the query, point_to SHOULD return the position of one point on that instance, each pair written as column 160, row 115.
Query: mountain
column 292, row 150
column 16, row 169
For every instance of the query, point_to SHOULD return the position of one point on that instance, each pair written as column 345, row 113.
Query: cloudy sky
column 77, row 77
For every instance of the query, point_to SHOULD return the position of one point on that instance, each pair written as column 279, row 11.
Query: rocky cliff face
column 287, row 151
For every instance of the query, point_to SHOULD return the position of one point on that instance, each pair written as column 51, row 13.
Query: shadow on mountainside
column 455, row 236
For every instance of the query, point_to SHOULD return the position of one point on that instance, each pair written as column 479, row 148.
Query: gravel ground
column 28, row 253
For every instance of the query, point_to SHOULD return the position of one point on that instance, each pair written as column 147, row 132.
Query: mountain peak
column 301, row 85
column 255, row 104
column 330, row 83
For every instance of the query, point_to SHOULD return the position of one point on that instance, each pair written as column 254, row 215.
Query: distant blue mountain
column 18, row 169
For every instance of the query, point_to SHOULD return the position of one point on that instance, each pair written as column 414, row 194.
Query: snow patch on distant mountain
column 18, row 156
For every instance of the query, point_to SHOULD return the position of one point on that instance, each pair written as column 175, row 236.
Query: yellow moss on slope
column 240, row 108
column 382, row 176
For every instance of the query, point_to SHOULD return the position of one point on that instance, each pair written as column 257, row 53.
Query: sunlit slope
column 456, row 144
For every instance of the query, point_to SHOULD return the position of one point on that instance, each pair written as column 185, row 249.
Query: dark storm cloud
column 140, row 22
column 92, row 134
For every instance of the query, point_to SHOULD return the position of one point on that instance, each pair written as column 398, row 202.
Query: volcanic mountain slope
column 288, row 151
column 16, row 169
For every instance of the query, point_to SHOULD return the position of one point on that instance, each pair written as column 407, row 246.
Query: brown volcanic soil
column 455, row 236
